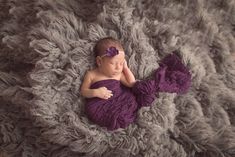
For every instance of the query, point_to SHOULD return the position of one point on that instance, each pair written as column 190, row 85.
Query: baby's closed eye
column 116, row 63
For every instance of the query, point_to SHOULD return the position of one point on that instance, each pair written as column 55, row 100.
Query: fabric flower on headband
column 111, row 51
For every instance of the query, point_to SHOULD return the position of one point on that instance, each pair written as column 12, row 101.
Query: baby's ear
column 98, row 60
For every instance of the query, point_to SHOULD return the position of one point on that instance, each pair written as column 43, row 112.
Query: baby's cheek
column 112, row 68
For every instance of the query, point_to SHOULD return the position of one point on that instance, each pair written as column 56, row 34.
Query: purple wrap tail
column 172, row 76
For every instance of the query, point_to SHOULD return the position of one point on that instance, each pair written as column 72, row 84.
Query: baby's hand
column 125, row 65
column 104, row 93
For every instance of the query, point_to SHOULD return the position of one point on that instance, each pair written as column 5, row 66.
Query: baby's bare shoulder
column 92, row 73
column 89, row 74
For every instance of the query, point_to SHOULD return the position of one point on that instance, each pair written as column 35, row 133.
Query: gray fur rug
column 46, row 47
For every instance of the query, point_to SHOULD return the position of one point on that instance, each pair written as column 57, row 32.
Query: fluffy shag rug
column 46, row 47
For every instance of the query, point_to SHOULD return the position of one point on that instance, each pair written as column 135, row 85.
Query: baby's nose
column 118, row 66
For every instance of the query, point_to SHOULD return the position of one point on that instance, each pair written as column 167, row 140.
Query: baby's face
column 113, row 66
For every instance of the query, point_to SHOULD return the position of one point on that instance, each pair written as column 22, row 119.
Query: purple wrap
column 120, row 110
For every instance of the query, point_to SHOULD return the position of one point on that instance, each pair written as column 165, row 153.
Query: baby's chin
column 115, row 74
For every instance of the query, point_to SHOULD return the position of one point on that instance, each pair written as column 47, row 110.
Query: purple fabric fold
column 145, row 92
column 120, row 110
column 172, row 76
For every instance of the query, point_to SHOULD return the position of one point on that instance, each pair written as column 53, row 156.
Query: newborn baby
column 112, row 93
column 111, row 64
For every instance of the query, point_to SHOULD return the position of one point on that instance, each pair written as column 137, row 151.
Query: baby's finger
column 109, row 96
column 109, row 91
column 105, row 97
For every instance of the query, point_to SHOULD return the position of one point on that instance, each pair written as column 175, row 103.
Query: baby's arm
column 101, row 92
column 127, row 77
column 85, row 87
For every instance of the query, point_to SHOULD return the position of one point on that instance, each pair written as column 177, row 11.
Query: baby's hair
column 105, row 43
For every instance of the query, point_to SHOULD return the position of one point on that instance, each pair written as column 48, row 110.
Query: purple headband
column 111, row 51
